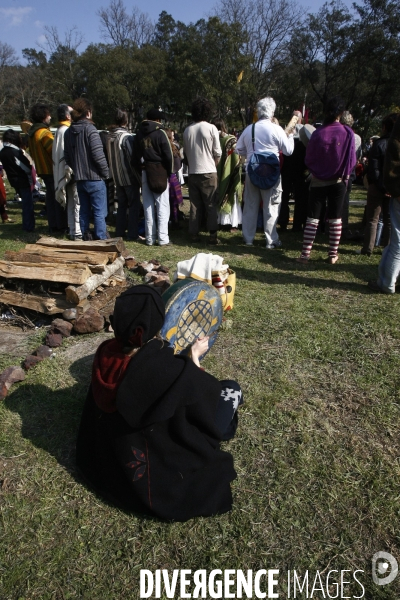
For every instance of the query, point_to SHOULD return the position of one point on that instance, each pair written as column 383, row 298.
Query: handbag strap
column 253, row 134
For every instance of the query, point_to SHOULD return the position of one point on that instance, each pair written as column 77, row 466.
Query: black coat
column 152, row 144
column 376, row 160
column 17, row 177
column 159, row 453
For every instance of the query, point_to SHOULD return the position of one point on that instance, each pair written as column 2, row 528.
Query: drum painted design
column 192, row 309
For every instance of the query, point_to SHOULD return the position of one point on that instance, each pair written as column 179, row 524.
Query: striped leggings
column 335, row 194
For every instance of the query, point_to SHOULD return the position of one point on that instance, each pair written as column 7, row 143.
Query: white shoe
column 277, row 244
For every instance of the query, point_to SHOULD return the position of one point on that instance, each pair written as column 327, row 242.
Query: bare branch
column 73, row 38
column 8, row 56
column 123, row 29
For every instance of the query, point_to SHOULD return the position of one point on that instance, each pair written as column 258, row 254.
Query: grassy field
column 316, row 453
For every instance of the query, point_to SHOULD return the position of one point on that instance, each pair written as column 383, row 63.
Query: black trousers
column 334, row 193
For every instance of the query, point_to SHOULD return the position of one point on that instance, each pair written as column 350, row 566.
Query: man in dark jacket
column 83, row 151
column 377, row 198
column 19, row 173
column 119, row 153
column 389, row 267
column 152, row 156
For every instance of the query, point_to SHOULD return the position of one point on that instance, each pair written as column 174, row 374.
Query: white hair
column 266, row 108
column 347, row 118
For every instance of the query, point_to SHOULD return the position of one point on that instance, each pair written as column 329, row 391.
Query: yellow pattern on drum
column 194, row 321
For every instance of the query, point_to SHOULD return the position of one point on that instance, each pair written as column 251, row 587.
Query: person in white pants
column 64, row 184
column 268, row 138
column 156, row 214
column 152, row 155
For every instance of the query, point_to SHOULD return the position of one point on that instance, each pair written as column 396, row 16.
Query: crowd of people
column 150, row 444
column 316, row 166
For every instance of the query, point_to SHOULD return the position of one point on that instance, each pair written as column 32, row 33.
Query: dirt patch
column 14, row 342
column 83, row 346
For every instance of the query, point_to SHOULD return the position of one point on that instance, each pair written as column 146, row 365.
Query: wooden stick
column 67, row 273
column 68, row 259
column 76, row 294
column 92, row 257
column 43, row 304
column 113, row 245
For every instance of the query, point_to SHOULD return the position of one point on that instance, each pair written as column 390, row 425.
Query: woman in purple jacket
column 330, row 158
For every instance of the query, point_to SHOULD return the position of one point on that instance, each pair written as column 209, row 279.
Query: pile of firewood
column 55, row 275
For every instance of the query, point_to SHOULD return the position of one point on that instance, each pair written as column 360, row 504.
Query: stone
column 90, row 321
column 61, row 326
column 70, row 314
column 162, row 269
column 31, row 361
column 131, row 264
column 159, row 281
column 8, row 377
column 144, row 267
column 151, row 276
column 54, row 340
column 43, row 352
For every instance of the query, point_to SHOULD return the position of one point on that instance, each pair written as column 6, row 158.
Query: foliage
column 351, row 55
column 240, row 53
column 125, row 77
column 207, row 56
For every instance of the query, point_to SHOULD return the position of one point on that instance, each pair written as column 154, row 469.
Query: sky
column 22, row 23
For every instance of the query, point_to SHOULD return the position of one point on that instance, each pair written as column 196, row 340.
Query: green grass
column 317, row 449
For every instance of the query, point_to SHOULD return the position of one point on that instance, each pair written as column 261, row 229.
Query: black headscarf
column 140, row 306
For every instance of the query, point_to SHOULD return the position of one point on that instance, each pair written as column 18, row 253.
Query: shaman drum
column 192, row 309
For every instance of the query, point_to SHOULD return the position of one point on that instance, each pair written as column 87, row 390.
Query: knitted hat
column 155, row 114
column 140, row 306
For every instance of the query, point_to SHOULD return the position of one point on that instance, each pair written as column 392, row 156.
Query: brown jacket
column 391, row 169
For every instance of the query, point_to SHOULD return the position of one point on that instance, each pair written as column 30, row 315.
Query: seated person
column 149, row 438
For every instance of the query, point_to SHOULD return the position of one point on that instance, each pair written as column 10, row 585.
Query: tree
column 63, row 62
column 35, row 58
column 207, row 57
column 322, row 52
column 124, row 29
column 8, row 56
column 123, row 77
column 376, row 54
column 267, row 27
column 165, row 29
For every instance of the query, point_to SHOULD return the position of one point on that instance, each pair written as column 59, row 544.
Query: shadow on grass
column 50, row 420
column 315, row 274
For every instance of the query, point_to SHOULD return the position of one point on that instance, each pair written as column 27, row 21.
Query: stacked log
column 54, row 275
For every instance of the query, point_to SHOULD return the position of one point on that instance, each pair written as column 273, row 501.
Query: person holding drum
column 150, row 432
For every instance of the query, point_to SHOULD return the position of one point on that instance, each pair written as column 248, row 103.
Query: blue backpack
column 263, row 169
